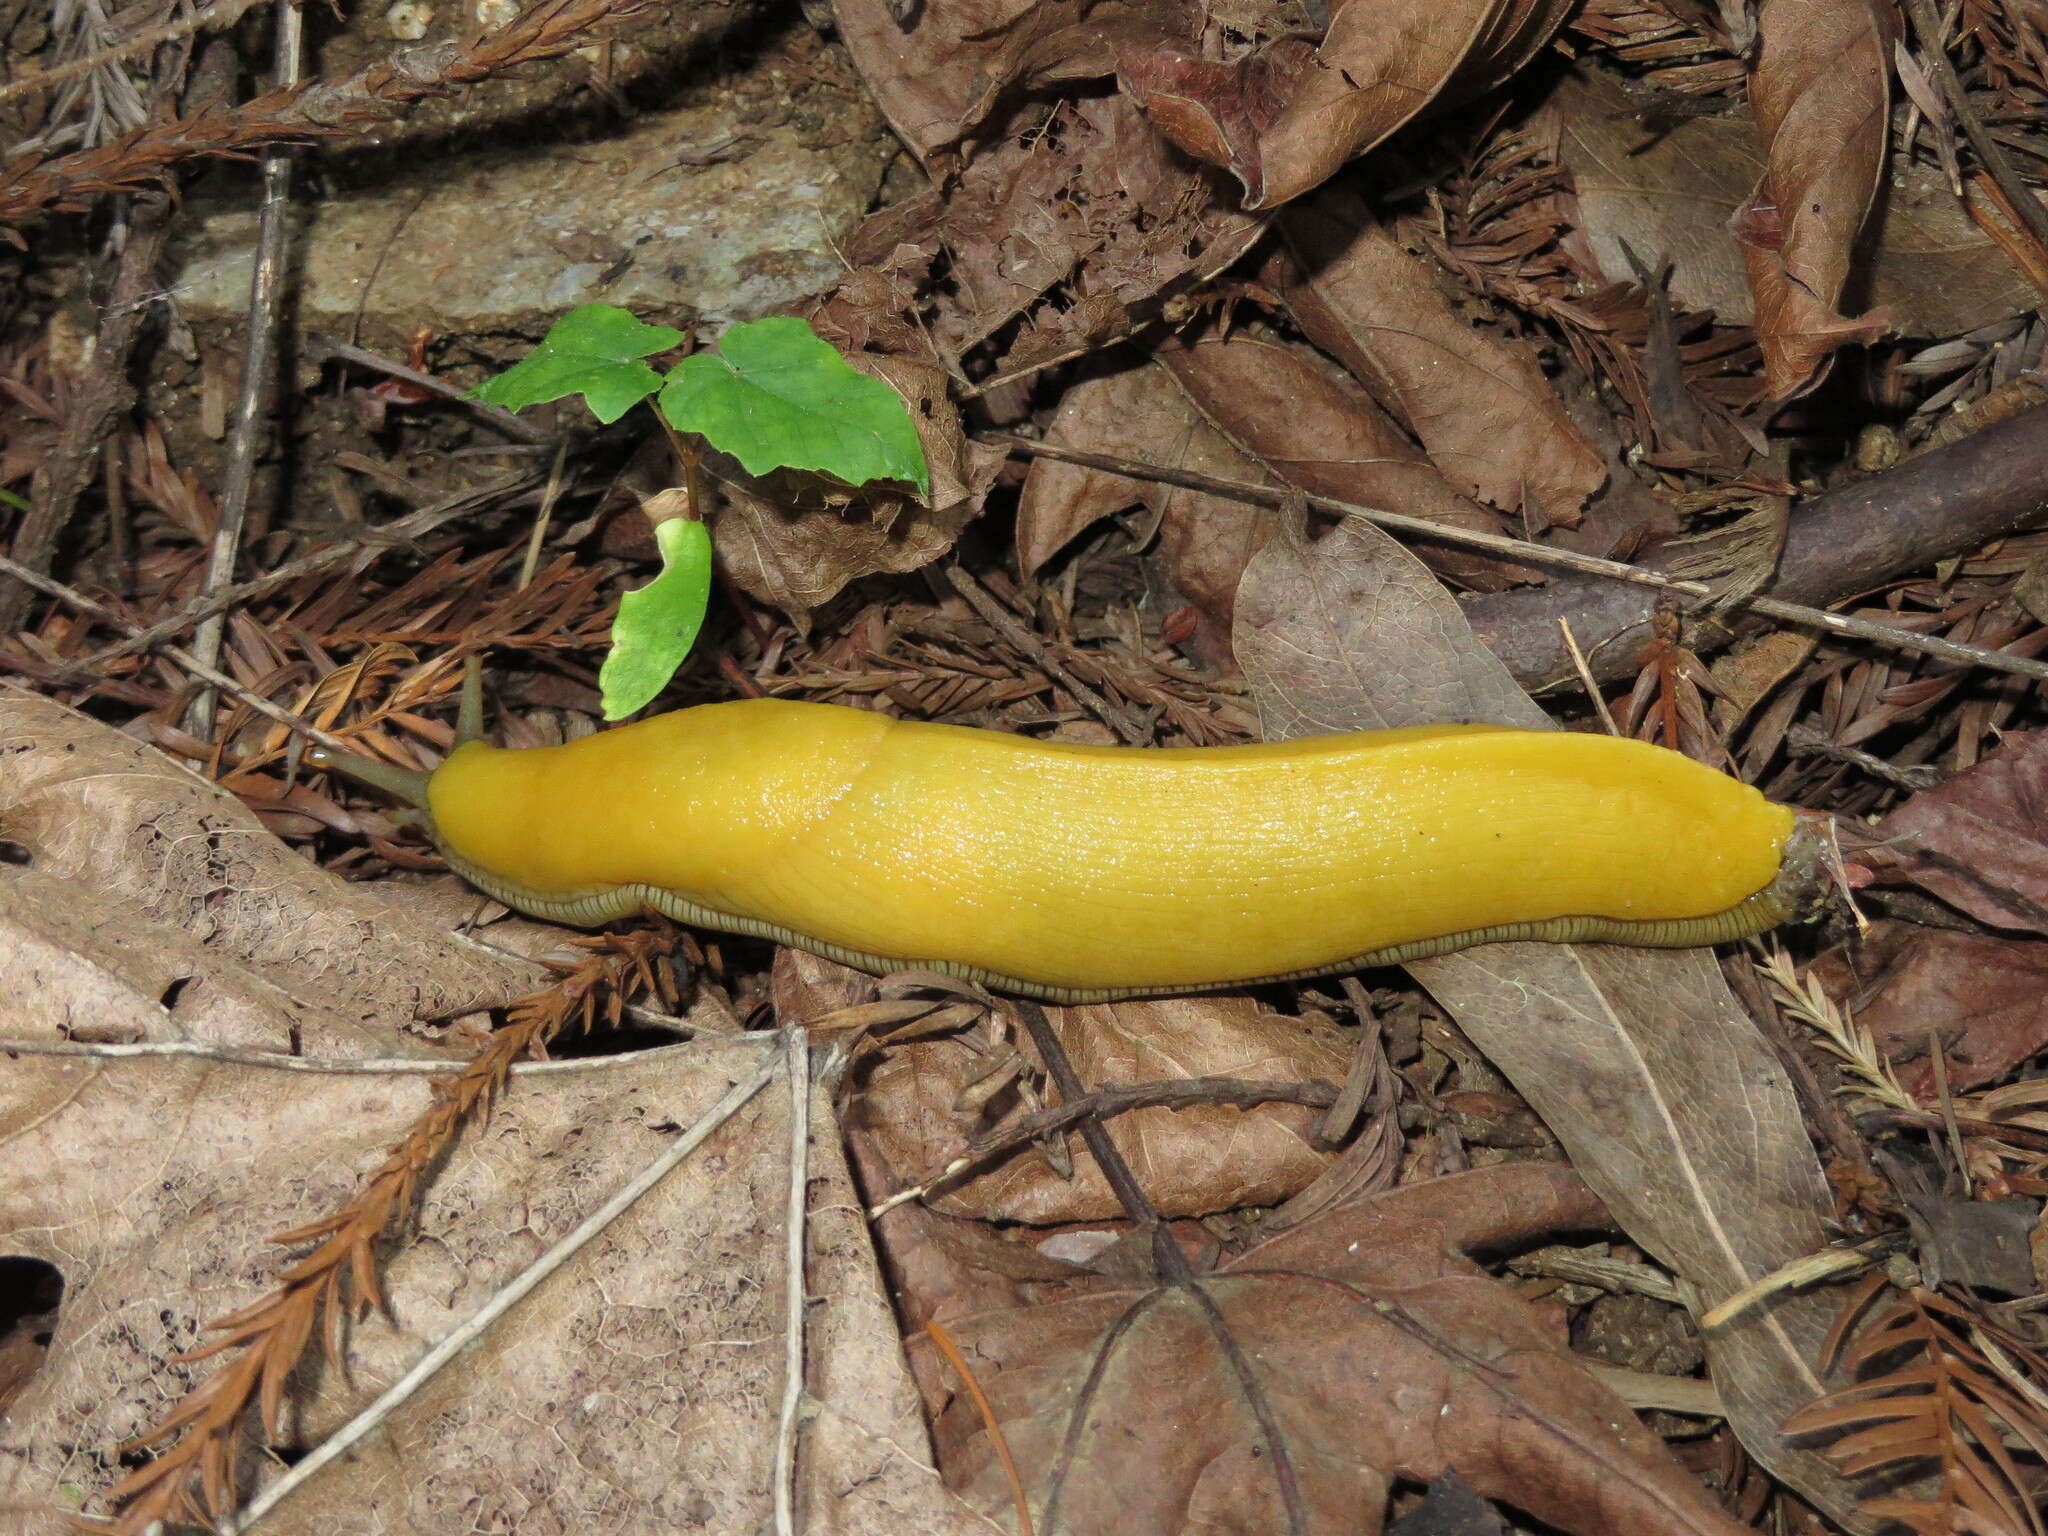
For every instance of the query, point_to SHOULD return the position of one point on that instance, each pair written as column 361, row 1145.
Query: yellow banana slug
column 1078, row 873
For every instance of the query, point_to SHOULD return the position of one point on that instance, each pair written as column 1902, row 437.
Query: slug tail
column 407, row 784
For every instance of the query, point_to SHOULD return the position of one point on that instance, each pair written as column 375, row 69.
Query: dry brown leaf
column 155, row 905
column 1640, row 1062
column 636, row 1390
column 1820, row 90
column 1217, row 110
column 1095, row 162
column 1038, row 225
column 1190, row 1162
column 925, row 67
column 1980, row 840
column 1312, row 1372
column 1284, row 117
column 1318, row 430
column 1140, row 413
column 1477, row 402
column 1670, row 193
column 1983, row 998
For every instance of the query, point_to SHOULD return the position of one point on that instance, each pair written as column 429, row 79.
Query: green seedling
column 774, row 395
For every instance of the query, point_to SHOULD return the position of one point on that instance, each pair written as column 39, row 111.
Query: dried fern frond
column 194, row 1479
column 1941, row 1404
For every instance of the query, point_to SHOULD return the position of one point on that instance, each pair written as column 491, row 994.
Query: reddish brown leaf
column 1980, row 841
column 1191, row 1161
column 1043, row 210
column 1983, row 998
column 1302, row 1378
column 1282, row 119
column 928, row 73
column 1820, row 91
column 1477, row 402
column 1316, row 429
column 1217, row 111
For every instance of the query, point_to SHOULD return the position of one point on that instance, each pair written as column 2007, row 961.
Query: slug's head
column 1810, row 881
column 409, row 784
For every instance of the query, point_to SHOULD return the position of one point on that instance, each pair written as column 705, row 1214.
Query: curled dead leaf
column 1820, row 91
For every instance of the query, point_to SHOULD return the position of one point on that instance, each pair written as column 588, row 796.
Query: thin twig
column 1533, row 554
column 1795, row 1275
column 497, row 416
column 537, row 537
column 1571, row 644
column 341, row 1066
column 182, row 657
column 1170, row 1263
column 1116, row 1099
column 1134, row 730
column 458, row 1339
column 796, row 1058
column 321, row 109
column 259, row 365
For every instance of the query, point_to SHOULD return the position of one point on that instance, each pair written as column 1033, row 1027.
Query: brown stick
column 1934, row 507
column 1987, row 492
column 259, row 369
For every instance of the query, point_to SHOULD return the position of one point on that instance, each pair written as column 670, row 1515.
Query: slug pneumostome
column 1078, row 874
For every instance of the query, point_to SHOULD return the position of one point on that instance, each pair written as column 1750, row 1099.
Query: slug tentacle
column 469, row 717
column 407, row 784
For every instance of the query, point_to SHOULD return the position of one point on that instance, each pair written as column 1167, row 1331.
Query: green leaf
column 658, row 624
column 776, row 394
column 593, row 351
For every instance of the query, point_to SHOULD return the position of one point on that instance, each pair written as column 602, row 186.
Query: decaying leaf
column 1315, row 428
column 641, row 1380
column 1140, row 413
column 1285, row 116
column 1287, row 1389
column 1820, row 89
column 147, row 900
column 1981, row 998
column 1979, row 841
column 1669, row 192
column 1045, row 208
